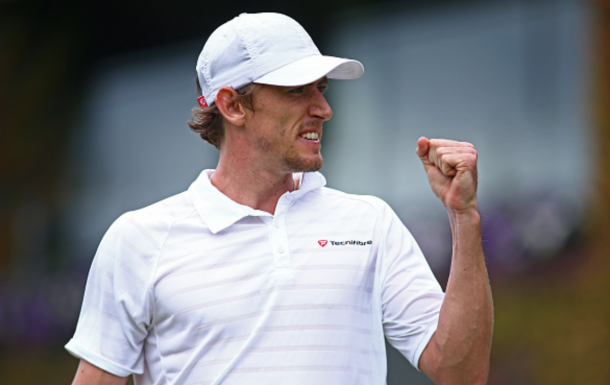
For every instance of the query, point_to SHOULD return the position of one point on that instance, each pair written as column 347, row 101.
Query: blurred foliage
column 38, row 99
column 552, row 332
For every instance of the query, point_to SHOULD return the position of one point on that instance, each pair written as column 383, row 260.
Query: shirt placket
column 278, row 234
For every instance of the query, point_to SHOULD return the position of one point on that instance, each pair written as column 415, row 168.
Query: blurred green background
column 67, row 67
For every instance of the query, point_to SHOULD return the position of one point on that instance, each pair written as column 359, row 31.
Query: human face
column 285, row 127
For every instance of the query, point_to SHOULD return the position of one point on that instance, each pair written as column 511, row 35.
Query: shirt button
column 280, row 249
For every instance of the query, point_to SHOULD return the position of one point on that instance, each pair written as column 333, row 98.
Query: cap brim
column 312, row 68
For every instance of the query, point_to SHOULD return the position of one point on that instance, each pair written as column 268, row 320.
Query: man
column 258, row 273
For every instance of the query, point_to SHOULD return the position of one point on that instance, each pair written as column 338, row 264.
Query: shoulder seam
column 153, row 277
column 161, row 246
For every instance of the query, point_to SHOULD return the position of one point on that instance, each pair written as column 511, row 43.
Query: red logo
column 323, row 243
column 202, row 102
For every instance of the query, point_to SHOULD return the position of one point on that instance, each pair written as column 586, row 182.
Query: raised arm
column 88, row 374
column 458, row 353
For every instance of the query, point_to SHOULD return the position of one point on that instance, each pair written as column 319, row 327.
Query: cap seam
column 253, row 52
column 208, row 78
column 302, row 35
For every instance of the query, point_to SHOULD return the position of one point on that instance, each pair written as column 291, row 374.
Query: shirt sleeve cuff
column 103, row 363
column 423, row 342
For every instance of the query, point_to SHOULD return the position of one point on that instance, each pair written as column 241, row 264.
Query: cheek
column 277, row 121
column 280, row 125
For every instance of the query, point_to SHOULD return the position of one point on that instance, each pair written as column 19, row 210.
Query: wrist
column 469, row 215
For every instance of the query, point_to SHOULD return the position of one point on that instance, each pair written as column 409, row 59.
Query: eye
column 297, row 90
column 323, row 88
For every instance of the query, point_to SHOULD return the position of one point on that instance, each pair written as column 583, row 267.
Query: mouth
column 311, row 136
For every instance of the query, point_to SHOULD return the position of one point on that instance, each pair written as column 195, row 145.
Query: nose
column 319, row 107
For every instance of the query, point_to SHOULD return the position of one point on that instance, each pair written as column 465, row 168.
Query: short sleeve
column 411, row 297
column 116, row 309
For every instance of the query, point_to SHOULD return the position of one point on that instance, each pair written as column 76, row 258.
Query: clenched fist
column 452, row 171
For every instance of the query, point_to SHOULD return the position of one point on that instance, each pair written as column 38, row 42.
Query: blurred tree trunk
column 600, row 213
column 596, row 289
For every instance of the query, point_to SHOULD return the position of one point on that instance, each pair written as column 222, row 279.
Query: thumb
column 423, row 150
column 423, row 146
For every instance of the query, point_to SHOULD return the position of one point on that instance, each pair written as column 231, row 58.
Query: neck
column 256, row 188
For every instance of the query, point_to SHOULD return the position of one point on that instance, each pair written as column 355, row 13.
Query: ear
column 232, row 111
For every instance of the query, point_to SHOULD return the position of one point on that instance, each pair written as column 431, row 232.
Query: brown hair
column 208, row 123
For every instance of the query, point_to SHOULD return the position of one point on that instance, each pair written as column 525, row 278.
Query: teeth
column 310, row 136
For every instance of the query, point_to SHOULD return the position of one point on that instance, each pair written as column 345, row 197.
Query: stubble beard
column 291, row 160
column 295, row 163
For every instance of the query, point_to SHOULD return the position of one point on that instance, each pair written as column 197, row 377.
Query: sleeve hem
column 103, row 363
column 423, row 342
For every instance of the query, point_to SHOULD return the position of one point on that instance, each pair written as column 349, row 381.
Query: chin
column 304, row 165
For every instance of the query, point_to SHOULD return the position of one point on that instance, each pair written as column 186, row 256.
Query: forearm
column 88, row 374
column 461, row 346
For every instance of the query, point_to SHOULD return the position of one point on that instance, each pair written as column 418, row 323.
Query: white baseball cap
column 265, row 48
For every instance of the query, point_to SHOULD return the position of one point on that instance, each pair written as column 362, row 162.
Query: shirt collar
column 219, row 212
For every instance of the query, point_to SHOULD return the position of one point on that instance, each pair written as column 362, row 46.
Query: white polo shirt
column 198, row 289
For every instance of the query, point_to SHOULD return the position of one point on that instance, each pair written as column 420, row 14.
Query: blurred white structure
column 134, row 147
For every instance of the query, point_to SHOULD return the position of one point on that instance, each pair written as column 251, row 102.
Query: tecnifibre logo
column 324, row 242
